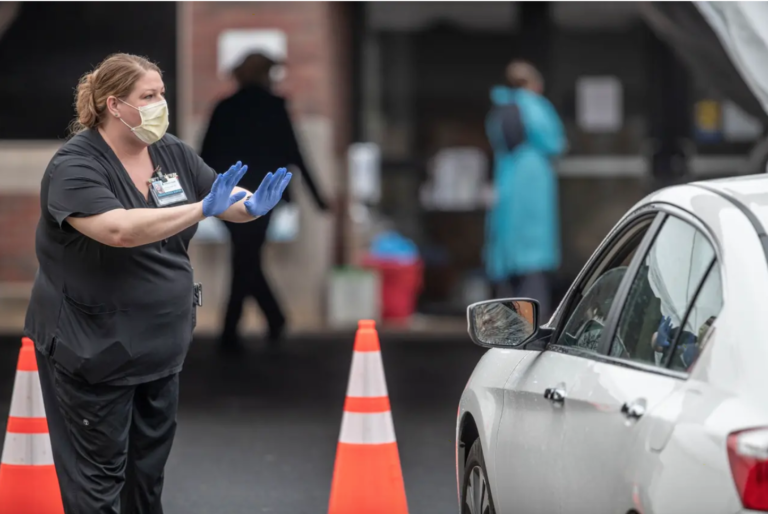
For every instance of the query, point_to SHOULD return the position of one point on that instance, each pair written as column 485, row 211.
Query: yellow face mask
column 154, row 121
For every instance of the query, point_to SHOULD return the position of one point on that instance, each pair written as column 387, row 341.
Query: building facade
column 412, row 77
column 184, row 40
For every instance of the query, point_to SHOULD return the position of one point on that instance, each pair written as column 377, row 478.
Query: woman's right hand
column 221, row 198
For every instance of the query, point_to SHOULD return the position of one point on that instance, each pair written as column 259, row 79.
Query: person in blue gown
column 523, row 240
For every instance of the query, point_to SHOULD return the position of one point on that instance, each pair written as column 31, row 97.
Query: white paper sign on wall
column 599, row 104
column 364, row 161
column 234, row 45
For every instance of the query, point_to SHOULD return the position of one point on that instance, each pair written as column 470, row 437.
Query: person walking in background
column 254, row 125
column 522, row 239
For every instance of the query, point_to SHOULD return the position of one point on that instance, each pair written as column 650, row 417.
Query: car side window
column 661, row 292
column 587, row 320
column 586, row 325
column 700, row 319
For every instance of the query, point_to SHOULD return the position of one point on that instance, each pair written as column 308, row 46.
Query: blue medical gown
column 522, row 228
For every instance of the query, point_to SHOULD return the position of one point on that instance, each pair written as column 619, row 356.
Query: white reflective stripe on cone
column 359, row 428
column 366, row 379
column 27, row 450
column 27, row 399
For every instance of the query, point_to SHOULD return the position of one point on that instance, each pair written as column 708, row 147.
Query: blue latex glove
column 690, row 348
column 269, row 193
column 687, row 347
column 663, row 333
column 221, row 198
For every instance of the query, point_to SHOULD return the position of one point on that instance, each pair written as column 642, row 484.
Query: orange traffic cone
column 28, row 482
column 367, row 478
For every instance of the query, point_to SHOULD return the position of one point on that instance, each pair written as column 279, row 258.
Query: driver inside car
column 687, row 346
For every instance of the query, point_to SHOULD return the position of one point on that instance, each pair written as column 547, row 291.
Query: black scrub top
column 112, row 315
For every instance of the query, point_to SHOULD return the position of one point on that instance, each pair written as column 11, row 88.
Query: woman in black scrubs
column 113, row 304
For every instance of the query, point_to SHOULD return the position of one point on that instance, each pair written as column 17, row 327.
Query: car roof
column 749, row 192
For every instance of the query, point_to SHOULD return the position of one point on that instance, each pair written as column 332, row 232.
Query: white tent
column 742, row 28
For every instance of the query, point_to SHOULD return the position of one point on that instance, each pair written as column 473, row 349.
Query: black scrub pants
column 110, row 443
column 248, row 279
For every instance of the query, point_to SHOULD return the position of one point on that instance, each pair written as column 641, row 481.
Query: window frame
column 615, row 316
column 661, row 211
column 699, row 287
column 595, row 268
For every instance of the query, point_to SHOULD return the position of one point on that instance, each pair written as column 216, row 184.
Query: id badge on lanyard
column 166, row 189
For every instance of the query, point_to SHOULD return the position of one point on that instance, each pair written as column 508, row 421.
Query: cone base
column 367, row 479
column 29, row 490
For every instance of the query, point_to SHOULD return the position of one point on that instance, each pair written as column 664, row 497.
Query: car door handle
column 555, row 394
column 634, row 409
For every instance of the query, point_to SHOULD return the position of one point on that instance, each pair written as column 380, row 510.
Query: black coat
column 253, row 126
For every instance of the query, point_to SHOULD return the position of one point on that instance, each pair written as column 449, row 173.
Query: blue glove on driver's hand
column 690, row 349
column 268, row 194
column 687, row 348
column 221, row 198
column 663, row 333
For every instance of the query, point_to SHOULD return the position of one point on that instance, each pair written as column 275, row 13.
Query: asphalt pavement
column 257, row 433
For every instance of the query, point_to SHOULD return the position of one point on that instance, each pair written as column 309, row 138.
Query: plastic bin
column 401, row 282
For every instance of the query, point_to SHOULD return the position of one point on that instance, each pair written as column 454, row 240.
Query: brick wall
column 21, row 168
column 318, row 47
column 18, row 221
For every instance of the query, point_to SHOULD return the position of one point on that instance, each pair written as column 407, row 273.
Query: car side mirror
column 508, row 323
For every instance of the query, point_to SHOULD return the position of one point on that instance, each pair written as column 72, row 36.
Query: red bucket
column 400, row 286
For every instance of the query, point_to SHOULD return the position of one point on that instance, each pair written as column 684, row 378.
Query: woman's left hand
column 269, row 193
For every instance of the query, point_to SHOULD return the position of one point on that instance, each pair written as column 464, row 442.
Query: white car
column 647, row 390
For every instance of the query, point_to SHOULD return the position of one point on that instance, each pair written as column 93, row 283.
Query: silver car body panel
column 673, row 459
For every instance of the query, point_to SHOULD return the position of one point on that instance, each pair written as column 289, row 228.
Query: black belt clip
column 198, row 300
